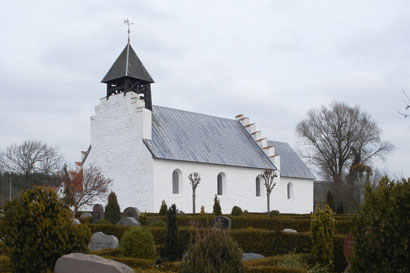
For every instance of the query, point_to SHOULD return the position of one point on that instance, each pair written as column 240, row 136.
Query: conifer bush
column 213, row 251
column 112, row 210
column 322, row 228
column 202, row 210
column 236, row 211
column 172, row 250
column 217, row 207
column 164, row 208
column 381, row 230
column 138, row 243
column 37, row 229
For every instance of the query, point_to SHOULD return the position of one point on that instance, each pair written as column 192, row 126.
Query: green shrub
column 112, row 210
column 5, row 264
column 202, row 210
column 213, row 251
column 86, row 220
column 217, row 207
column 108, row 252
column 158, row 223
column 322, row 226
column 292, row 260
column 237, row 211
column 103, row 222
column 164, row 209
column 172, row 251
column 381, row 230
column 37, row 229
column 274, row 213
column 143, row 218
column 138, row 243
column 272, row 269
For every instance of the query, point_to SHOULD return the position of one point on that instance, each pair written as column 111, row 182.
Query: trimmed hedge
column 272, row 269
column 134, row 262
column 299, row 223
column 265, row 242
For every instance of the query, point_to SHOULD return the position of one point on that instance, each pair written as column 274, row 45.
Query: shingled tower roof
column 128, row 65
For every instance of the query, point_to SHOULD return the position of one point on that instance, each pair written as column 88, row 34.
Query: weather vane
column 128, row 23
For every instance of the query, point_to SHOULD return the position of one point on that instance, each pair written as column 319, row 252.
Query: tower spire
column 128, row 23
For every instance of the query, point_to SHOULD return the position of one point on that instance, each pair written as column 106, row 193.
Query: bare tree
column 339, row 137
column 268, row 177
column 194, row 179
column 406, row 101
column 32, row 156
column 83, row 188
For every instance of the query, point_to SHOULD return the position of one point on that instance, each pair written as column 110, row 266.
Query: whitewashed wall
column 240, row 189
column 117, row 130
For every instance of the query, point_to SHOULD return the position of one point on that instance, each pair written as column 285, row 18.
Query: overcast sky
column 270, row 60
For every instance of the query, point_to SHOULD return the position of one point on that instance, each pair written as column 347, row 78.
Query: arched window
column 176, row 181
column 258, row 186
column 221, row 184
column 290, row 191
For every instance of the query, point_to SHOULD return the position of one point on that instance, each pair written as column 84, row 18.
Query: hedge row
column 272, row 269
column 5, row 264
column 257, row 221
column 265, row 242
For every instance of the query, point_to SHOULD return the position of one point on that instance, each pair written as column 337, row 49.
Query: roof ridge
column 187, row 111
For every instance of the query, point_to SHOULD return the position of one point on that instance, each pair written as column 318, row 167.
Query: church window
column 221, row 184
column 258, row 186
column 176, row 182
column 290, row 191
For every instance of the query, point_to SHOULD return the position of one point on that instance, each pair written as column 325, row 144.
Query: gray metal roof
column 127, row 65
column 188, row 136
column 291, row 165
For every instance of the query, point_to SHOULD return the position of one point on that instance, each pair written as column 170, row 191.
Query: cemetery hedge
column 265, row 242
column 301, row 224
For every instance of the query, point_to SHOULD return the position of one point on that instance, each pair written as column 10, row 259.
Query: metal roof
column 194, row 137
column 291, row 165
column 128, row 65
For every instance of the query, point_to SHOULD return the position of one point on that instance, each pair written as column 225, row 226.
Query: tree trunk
column 193, row 201
column 268, row 201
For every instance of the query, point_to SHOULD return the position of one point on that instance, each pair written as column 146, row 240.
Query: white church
column 149, row 151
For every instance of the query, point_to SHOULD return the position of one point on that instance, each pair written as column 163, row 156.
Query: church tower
column 129, row 74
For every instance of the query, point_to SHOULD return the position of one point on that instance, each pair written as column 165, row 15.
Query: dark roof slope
column 128, row 65
column 194, row 137
column 291, row 165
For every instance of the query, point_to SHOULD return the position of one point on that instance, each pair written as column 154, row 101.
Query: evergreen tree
column 322, row 228
column 172, row 251
column 112, row 210
column 217, row 206
column 164, row 208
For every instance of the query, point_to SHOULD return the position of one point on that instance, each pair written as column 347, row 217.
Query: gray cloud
column 271, row 60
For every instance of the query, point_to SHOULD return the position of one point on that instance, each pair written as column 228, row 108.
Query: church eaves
column 127, row 65
column 193, row 137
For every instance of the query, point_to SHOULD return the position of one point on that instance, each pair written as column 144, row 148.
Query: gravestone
column 100, row 241
column 128, row 221
column 86, row 215
column 76, row 221
column 251, row 256
column 348, row 246
column 289, row 230
column 98, row 212
column 131, row 212
column 85, row 263
column 222, row 222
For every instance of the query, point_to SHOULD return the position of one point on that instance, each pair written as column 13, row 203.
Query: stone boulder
column 221, row 222
column 86, row 215
column 289, row 230
column 100, row 241
column 85, row 263
column 131, row 212
column 128, row 221
column 251, row 256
